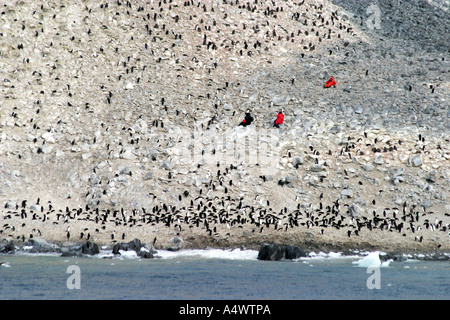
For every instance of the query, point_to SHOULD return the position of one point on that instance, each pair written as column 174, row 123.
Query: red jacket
column 280, row 118
column 331, row 82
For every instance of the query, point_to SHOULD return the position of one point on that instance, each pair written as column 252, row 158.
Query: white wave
column 105, row 254
column 235, row 254
column 372, row 260
column 128, row 254
column 330, row 255
column 37, row 254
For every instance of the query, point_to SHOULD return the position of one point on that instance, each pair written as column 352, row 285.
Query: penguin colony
column 217, row 217
column 192, row 42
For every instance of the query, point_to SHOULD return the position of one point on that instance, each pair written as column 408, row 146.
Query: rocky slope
column 118, row 120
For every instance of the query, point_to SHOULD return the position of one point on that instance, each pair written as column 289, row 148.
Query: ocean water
column 220, row 275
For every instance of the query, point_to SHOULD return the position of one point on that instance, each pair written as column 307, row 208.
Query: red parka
column 280, row 118
column 330, row 83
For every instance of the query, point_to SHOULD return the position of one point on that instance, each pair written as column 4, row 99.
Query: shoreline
column 395, row 253
column 71, row 250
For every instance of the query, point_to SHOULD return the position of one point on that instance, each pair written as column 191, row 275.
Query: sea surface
column 215, row 274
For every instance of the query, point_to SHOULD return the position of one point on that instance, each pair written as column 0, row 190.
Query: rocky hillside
column 109, row 104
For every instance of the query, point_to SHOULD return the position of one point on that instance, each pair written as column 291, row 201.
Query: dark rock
column 90, row 248
column 134, row 245
column 7, row 247
column 117, row 247
column 146, row 254
column 42, row 246
column 294, row 252
column 175, row 244
column 434, row 257
column 398, row 257
column 271, row 252
column 69, row 253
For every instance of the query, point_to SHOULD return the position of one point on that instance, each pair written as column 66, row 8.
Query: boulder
column 297, row 161
column 355, row 210
column 315, row 167
column 124, row 246
column 7, row 247
column 134, row 245
column 379, row 159
column 280, row 100
column 89, row 248
column 42, row 246
column 288, row 181
column 148, row 176
column 153, row 154
column 119, row 246
column 294, row 252
column 128, row 155
column 415, row 160
column 68, row 253
column 167, row 165
column 146, row 252
column 347, row 193
column 175, row 244
column 11, row 205
column 431, row 177
column 271, row 252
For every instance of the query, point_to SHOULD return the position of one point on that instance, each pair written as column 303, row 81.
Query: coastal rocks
column 89, row 248
column 275, row 252
column 175, row 244
column 7, row 247
column 36, row 245
column 134, row 245
column 294, row 252
column 271, row 252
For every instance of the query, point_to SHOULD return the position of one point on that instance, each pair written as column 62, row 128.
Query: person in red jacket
column 330, row 83
column 247, row 120
column 279, row 120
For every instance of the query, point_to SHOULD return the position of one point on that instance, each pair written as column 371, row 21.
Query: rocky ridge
column 102, row 105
